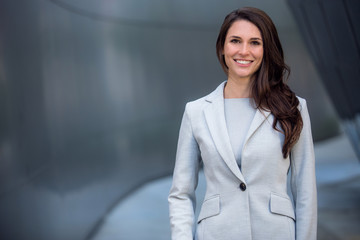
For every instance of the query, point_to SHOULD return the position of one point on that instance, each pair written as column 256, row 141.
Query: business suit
column 248, row 203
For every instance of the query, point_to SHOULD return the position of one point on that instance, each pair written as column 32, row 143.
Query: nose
column 244, row 49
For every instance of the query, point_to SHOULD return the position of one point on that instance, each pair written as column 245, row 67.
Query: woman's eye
column 255, row 43
column 234, row 41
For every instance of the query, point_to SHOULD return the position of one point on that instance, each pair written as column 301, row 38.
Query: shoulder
column 196, row 105
column 200, row 103
column 302, row 103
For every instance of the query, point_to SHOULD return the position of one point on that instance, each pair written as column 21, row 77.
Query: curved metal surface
column 91, row 106
column 332, row 32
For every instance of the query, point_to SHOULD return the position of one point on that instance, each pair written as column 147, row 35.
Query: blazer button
column 242, row 186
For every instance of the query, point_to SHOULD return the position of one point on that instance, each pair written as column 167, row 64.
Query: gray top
column 239, row 114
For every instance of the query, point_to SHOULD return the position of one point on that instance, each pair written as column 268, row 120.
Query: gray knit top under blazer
column 254, row 203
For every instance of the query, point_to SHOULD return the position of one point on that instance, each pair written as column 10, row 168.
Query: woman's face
column 243, row 50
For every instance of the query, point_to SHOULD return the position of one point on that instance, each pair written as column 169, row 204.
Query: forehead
column 244, row 29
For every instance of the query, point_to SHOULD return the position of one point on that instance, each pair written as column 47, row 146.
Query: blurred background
column 92, row 94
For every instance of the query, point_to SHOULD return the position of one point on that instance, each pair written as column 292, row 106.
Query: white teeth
column 243, row 61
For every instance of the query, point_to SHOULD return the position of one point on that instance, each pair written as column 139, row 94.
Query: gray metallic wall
column 91, row 98
column 90, row 109
column 331, row 29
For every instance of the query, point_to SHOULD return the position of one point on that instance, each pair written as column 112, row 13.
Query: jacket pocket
column 209, row 208
column 281, row 205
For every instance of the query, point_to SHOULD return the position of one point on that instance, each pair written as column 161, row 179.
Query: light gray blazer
column 263, row 209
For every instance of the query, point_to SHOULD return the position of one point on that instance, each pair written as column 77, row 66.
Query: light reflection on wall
column 92, row 104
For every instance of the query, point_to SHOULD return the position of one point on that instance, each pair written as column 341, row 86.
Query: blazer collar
column 215, row 118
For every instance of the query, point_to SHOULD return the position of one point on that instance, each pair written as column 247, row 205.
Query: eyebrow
column 255, row 38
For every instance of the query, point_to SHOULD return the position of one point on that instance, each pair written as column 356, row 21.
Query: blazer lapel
column 259, row 118
column 215, row 118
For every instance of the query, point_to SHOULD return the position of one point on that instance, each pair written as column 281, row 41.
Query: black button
column 242, row 186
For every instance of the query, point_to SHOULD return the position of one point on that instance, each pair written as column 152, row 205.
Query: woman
column 251, row 134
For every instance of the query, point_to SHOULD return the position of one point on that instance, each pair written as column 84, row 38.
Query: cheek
column 260, row 54
column 229, row 51
column 260, row 58
column 227, row 55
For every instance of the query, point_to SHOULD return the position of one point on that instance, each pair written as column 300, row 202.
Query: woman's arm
column 303, row 180
column 185, row 178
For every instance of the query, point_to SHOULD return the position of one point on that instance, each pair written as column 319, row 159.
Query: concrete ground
column 144, row 214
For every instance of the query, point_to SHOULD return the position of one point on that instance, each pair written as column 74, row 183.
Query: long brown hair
column 268, row 89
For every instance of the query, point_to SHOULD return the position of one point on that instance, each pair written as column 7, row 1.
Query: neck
column 237, row 89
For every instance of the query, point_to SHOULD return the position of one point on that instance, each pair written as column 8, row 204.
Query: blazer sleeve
column 303, row 180
column 182, row 198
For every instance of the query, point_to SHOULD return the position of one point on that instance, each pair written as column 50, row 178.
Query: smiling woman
column 243, row 54
column 248, row 133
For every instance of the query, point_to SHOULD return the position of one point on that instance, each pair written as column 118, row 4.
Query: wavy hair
column 268, row 88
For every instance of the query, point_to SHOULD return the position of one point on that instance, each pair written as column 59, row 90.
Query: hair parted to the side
column 268, row 88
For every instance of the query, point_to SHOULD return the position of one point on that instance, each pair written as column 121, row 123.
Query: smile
column 243, row 61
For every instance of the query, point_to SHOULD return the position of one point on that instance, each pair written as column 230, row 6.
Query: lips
column 243, row 61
